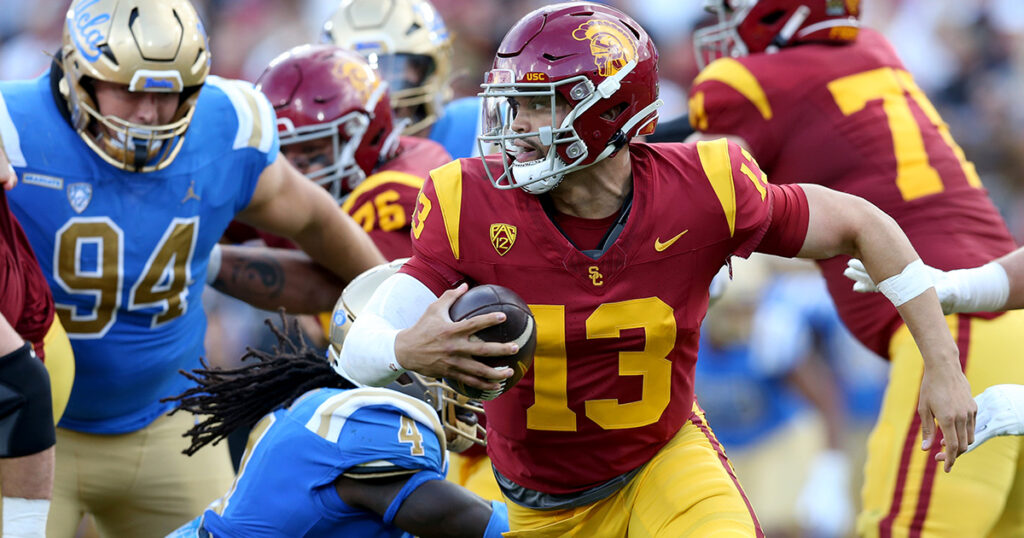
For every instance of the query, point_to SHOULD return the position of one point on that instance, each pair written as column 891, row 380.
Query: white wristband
column 213, row 267
column 981, row 289
column 25, row 518
column 911, row 282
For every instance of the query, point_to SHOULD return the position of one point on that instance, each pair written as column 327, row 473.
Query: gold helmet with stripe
column 155, row 46
column 407, row 42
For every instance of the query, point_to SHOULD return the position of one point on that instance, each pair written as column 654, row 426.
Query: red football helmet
column 751, row 26
column 327, row 93
column 594, row 58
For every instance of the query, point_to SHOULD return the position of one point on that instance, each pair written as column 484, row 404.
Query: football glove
column 1000, row 412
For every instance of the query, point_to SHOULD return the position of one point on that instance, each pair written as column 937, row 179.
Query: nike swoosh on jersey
column 659, row 246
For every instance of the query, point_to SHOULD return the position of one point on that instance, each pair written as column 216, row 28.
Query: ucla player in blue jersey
column 326, row 458
column 132, row 162
column 408, row 43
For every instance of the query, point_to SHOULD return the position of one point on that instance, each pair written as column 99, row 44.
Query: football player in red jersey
column 815, row 97
column 614, row 245
column 337, row 128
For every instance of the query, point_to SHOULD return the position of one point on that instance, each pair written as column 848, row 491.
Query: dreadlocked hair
column 239, row 397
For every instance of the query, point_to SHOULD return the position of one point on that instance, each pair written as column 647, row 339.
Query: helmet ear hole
column 614, row 112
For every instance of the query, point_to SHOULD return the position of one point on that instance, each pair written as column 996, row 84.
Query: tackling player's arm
column 435, row 508
column 993, row 287
column 271, row 278
column 843, row 224
column 285, row 203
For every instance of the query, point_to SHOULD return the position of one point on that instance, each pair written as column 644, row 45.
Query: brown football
column 519, row 326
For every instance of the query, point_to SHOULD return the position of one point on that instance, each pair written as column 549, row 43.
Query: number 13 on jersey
column 550, row 410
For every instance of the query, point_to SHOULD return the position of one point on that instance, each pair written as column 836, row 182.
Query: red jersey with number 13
column 612, row 378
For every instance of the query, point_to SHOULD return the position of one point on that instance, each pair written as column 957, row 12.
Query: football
column 519, row 327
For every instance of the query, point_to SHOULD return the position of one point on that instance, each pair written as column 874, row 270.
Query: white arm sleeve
column 368, row 354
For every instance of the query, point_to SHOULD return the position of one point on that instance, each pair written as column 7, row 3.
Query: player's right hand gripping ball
column 519, row 327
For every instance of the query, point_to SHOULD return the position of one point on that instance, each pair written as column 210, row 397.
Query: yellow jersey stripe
column 448, row 185
column 735, row 75
column 714, row 158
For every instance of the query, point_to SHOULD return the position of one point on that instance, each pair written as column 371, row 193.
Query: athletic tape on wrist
column 25, row 517
column 908, row 284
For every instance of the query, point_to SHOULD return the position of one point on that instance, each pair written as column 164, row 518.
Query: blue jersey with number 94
column 126, row 253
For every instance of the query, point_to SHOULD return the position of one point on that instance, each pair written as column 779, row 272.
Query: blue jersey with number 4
column 285, row 484
column 126, row 253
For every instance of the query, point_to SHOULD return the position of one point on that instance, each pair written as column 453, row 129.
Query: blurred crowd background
column 781, row 380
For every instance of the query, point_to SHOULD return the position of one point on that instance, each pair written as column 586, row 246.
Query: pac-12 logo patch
column 503, row 236
column 79, row 194
column 611, row 45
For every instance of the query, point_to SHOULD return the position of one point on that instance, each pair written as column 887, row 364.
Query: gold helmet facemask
column 147, row 46
column 409, row 45
column 458, row 413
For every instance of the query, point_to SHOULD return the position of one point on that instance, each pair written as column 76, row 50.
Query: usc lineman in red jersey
column 816, row 98
column 335, row 123
column 614, row 245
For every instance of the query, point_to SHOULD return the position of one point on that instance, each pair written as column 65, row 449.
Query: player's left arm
column 436, row 508
column 288, row 204
column 838, row 224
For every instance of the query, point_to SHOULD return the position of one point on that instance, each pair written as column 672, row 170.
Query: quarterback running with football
column 614, row 245
column 816, row 98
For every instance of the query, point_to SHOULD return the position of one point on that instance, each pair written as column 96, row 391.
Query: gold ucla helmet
column 146, row 45
column 407, row 42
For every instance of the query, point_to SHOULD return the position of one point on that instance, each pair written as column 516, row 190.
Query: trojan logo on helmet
column 611, row 48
